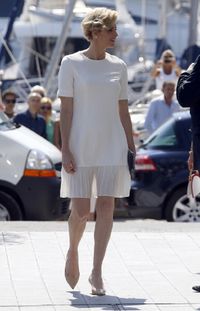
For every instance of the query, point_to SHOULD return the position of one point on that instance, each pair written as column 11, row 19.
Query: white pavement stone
column 145, row 271
column 176, row 308
column 37, row 308
column 9, row 309
column 141, row 308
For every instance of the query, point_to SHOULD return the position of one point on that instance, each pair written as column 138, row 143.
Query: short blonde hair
column 33, row 95
column 46, row 100
column 97, row 19
column 167, row 53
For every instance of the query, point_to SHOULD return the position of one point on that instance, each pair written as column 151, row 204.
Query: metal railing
column 52, row 4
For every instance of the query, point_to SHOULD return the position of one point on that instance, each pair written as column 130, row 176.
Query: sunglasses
column 168, row 60
column 10, row 101
column 45, row 107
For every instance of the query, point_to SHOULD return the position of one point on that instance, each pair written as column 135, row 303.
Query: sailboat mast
column 58, row 49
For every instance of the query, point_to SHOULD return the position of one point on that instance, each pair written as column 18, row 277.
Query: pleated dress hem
column 87, row 182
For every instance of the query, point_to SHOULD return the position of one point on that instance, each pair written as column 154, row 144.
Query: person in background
column 39, row 89
column 46, row 112
column 96, row 133
column 9, row 100
column 161, row 108
column 31, row 117
column 188, row 95
column 165, row 69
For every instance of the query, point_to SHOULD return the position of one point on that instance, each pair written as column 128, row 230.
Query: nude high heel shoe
column 96, row 291
column 72, row 270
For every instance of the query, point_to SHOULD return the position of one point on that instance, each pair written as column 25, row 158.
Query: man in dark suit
column 31, row 117
column 188, row 95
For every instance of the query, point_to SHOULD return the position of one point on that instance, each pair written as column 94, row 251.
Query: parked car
column 29, row 175
column 159, row 185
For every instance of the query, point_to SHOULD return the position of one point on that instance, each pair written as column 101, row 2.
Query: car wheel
column 9, row 208
column 181, row 208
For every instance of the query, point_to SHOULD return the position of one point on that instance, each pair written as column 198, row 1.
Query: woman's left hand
column 132, row 149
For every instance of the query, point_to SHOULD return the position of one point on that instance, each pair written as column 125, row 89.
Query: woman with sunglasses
column 46, row 112
column 166, row 69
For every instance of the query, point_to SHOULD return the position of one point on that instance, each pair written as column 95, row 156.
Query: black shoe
column 196, row 288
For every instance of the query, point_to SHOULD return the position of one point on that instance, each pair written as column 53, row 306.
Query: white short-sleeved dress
column 97, row 138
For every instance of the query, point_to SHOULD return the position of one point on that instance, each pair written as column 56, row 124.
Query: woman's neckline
column 91, row 59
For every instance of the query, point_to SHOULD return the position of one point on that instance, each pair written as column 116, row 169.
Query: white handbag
column 193, row 188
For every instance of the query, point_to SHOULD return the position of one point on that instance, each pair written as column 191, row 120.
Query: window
column 175, row 134
column 165, row 137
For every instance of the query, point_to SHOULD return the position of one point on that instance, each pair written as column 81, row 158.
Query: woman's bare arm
column 126, row 123
column 66, row 115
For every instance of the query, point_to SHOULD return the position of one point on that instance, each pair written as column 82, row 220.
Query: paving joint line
column 39, row 269
column 9, row 267
column 65, row 305
column 166, row 278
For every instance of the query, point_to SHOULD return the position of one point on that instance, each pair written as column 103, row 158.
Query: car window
column 164, row 137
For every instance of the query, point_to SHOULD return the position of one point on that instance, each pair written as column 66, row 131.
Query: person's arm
column 188, row 90
column 177, row 107
column 57, row 135
column 178, row 70
column 126, row 123
column 44, row 130
column 66, row 94
column 66, row 115
column 148, row 124
column 155, row 72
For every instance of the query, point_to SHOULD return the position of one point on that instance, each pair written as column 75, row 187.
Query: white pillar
column 192, row 39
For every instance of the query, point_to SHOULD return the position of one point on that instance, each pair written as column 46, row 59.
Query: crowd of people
column 166, row 73
column 38, row 117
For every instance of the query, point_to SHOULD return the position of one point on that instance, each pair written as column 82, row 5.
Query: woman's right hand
column 190, row 164
column 68, row 162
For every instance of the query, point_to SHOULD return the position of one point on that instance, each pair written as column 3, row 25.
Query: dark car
column 159, row 186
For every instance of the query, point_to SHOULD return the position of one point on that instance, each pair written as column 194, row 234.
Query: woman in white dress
column 96, row 135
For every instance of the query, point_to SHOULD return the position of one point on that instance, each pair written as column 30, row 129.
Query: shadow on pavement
column 106, row 302
column 11, row 238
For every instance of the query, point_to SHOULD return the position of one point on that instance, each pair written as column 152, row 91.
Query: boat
column 38, row 30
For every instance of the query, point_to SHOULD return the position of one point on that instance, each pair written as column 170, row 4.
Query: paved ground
column 150, row 265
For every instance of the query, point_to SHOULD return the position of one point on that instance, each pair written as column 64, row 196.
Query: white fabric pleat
column 96, row 181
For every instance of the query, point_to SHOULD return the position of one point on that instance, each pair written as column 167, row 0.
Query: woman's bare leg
column 103, row 228
column 80, row 208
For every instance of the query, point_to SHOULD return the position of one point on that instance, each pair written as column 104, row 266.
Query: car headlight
column 38, row 164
